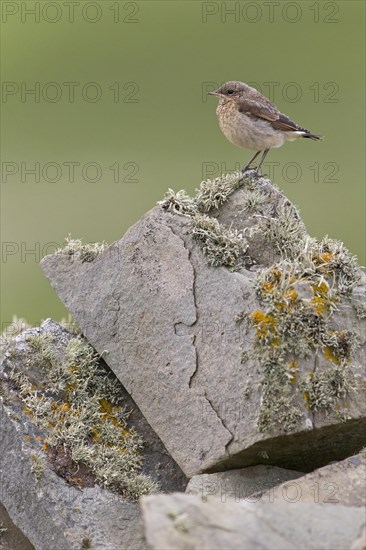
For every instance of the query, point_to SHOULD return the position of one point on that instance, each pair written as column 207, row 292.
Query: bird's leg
column 246, row 167
column 262, row 159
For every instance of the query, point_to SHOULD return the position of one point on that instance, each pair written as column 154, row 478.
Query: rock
column 53, row 514
column 11, row 538
column 179, row 522
column 360, row 542
column 342, row 483
column 236, row 334
column 237, row 485
column 54, row 500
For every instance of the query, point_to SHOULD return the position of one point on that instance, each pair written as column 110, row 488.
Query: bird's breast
column 245, row 131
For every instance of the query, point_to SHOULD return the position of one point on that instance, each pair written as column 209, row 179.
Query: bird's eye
column 230, row 92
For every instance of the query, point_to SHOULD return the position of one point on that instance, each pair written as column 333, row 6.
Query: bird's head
column 230, row 90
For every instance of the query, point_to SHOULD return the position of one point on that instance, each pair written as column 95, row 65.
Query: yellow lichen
column 263, row 323
column 330, row 355
column 294, row 367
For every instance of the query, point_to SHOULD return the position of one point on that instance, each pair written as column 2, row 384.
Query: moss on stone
column 79, row 408
column 221, row 246
column 213, row 193
column 85, row 252
column 297, row 296
column 179, row 202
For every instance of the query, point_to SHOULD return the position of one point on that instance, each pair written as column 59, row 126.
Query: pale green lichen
column 283, row 229
column 213, row 193
column 79, row 408
column 255, row 201
column 71, row 325
column 13, row 329
column 37, row 465
column 324, row 389
column 360, row 308
column 221, row 246
column 179, row 202
column 298, row 298
column 85, row 252
column 298, row 294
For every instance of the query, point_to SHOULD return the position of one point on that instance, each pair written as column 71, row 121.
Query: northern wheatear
column 249, row 120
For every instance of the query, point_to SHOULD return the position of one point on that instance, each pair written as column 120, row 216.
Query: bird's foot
column 255, row 173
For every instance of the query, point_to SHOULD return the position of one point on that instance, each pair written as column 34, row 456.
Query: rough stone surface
column 165, row 322
column 237, row 485
column 50, row 512
column 360, row 542
column 181, row 522
column 11, row 538
column 342, row 483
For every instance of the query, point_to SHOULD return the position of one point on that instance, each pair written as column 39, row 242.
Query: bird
column 251, row 121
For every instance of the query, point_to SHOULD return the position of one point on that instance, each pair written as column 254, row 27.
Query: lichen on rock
column 87, row 252
column 233, row 330
column 298, row 291
column 77, row 404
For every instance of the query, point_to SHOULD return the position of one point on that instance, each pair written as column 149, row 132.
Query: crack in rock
column 182, row 328
column 222, row 422
column 194, row 339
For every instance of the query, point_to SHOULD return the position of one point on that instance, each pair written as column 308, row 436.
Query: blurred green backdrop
column 123, row 84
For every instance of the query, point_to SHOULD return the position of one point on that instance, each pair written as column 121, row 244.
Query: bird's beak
column 214, row 93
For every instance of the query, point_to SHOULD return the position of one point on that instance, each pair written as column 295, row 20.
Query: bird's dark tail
column 312, row 136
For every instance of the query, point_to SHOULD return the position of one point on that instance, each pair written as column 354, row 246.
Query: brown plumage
column 251, row 121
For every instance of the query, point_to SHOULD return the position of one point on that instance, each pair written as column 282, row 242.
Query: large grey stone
column 237, row 485
column 342, row 483
column 182, row 522
column 49, row 511
column 166, row 324
column 11, row 538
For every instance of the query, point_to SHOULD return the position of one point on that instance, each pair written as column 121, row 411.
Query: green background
column 173, row 52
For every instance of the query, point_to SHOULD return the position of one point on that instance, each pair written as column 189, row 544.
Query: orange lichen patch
column 27, row 437
column 63, row 409
column 290, row 295
column 75, row 482
column 323, row 258
column 65, row 406
column 294, row 367
column 45, row 445
column 109, row 411
column 27, row 411
column 338, row 346
column 306, row 393
column 70, row 387
column 321, row 306
column 326, row 257
column 329, row 354
column 268, row 287
column 321, row 289
column 72, row 368
column 273, row 277
column 37, row 438
column 264, row 323
column 96, row 437
column 321, row 300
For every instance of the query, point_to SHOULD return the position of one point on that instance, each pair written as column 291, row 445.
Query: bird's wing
column 265, row 110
